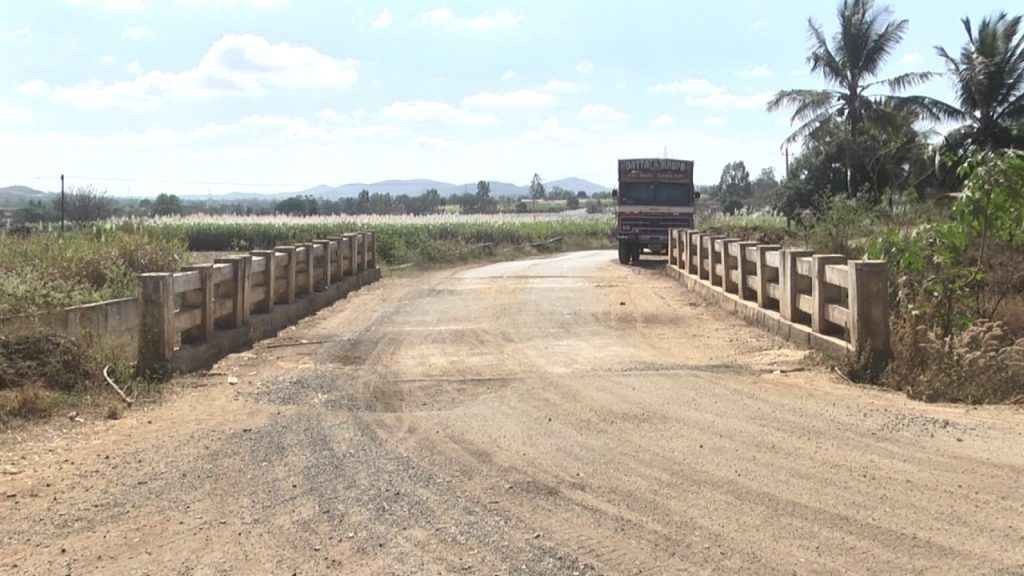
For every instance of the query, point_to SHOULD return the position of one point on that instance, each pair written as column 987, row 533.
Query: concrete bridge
column 562, row 415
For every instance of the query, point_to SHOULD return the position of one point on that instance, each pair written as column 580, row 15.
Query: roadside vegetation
column 872, row 181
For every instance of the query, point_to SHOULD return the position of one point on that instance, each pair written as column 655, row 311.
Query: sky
column 140, row 97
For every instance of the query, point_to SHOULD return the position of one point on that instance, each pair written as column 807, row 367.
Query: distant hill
column 19, row 195
column 413, row 187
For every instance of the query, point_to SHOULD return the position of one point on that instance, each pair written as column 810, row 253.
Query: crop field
column 45, row 270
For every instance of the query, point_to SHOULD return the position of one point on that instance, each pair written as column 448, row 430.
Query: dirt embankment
column 564, row 415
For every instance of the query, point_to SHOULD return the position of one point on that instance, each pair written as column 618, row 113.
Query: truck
column 654, row 195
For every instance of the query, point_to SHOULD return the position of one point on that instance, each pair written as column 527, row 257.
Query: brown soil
column 563, row 415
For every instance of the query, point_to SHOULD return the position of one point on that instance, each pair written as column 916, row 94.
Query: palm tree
column 988, row 78
column 866, row 37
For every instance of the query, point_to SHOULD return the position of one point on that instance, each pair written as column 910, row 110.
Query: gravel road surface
column 564, row 415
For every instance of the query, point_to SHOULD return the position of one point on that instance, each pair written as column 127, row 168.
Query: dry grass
column 983, row 363
column 28, row 402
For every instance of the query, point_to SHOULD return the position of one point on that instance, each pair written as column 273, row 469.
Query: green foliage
column 954, row 283
column 734, row 188
column 46, row 271
column 537, row 191
column 992, row 206
column 85, row 204
column 840, row 228
column 167, row 205
column 988, row 79
column 866, row 37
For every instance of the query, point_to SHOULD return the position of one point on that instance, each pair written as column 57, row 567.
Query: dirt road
column 565, row 415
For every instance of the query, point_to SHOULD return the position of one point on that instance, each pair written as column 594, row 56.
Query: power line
column 185, row 182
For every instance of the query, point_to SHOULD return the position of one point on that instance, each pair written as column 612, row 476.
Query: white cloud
column 585, row 68
column 383, row 19
column 108, row 59
column 22, row 33
column 235, row 65
column 517, row 99
column 14, row 115
column 702, row 93
column 333, row 116
column 110, row 4
column 139, row 33
column 509, row 76
column 135, row 68
column 137, row 4
column 663, row 121
column 715, row 121
column 911, row 58
column 33, row 87
column 757, row 72
column 601, row 112
column 686, row 86
column 561, row 86
column 426, row 111
column 488, row 21
column 551, row 131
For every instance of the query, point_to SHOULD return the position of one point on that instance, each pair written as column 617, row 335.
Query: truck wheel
column 624, row 252
column 636, row 249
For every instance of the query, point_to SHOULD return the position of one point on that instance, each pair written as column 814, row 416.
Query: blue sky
column 211, row 96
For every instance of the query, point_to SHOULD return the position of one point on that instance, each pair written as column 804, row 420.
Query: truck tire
column 636, row 250
column 624, row 252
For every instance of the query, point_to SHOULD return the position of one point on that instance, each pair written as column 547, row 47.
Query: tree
column 988, row 78
column 297, row 206
column 362, row 205
column 85, row 204
column 764, row 189
column 167, row 205
column 537, row 191
column 572, row 202
column 866, row 38
column 734, row 187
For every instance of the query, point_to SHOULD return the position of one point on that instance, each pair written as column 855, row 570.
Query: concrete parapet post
column 348, row 250
column 269, row 274
column 710, row 253
column 692, row 249
column 337, row 258
column 241, row 281
column 289, row 272
column 308, row 275
column 156, row 326
column 823, row 293
column 202, row 299
column 361, row 252
column 729, row 264
column 701, row 250
column 323, row 277
column 869, row 309
column 789, row 283
column 746, row 266
column 371, row 250
column 673, row 247
column 765, row 273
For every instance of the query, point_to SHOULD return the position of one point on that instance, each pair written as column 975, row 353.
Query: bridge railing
column 824, row 300
column 188, row 308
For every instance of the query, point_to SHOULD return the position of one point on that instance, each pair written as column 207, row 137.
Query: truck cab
column 654, row 195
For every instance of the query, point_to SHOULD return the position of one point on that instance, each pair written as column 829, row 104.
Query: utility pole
column 62, row 204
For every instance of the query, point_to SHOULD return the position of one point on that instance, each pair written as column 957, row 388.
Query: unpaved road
column 556, row 416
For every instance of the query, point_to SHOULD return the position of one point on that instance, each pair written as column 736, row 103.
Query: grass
column 426, row 240
column 45, row 271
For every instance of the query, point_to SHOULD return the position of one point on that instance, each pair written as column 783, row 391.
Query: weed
column 27, row 402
